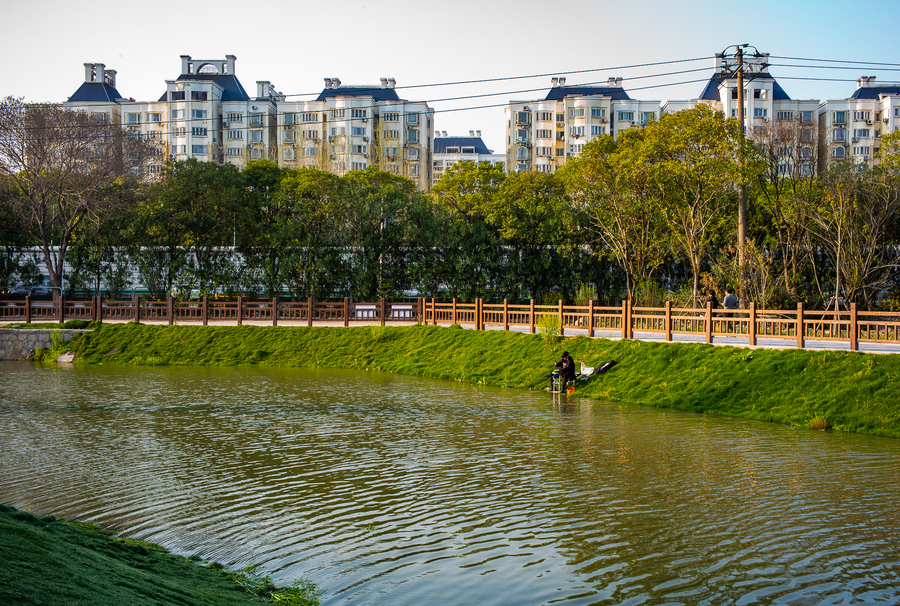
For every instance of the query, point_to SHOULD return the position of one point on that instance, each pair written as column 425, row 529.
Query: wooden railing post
column 455, row 317
column 668, row 320
column 204, row 310
column 854, row 328
column 347, row 312
column 170, row 310
column 506, row 315
column 479, row 306
column 62, row 309
column 753, row 323
column 275, row 310
column 383, row 311
column 531, row 314
column 800, row 329
column 624, row 319
column 591, row 318
column 433, row 313
column 28, row 309
column 137, row 308
column 562, row 330
column 709, row 321
column 240, row 310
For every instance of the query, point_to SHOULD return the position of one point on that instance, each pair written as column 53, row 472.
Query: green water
column 407, row 491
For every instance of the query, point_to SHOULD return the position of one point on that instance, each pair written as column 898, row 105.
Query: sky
column 296, row 44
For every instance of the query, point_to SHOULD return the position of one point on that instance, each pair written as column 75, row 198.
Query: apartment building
column 450, row 150
column 543, row 134
column 352, row 127
column 852, row 128
column 205, row 113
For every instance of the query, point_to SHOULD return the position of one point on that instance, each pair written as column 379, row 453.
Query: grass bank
column 844, row 390
column 47, row 561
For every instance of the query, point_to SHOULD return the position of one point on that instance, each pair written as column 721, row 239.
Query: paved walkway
column 761, row 342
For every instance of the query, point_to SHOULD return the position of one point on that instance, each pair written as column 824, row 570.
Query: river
column 396, row 490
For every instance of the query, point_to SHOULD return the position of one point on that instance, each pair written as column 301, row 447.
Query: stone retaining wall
column 20, row 343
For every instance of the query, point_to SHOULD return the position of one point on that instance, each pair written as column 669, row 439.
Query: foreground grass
column 47, row 561
column 844, row 390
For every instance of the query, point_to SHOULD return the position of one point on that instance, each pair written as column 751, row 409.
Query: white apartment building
column 450, row 150
column 353, row 127
column 542, row 134
column 205, row 113
column 852, row 128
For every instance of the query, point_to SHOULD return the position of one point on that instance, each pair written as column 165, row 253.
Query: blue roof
column 442, row 143
column 872, row 92
column 711, row 92
column 376, row 92
column 232, row 89
column 560, row 92
column 95, row 91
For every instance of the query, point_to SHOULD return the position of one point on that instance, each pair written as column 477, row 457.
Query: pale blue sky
column 297, row 44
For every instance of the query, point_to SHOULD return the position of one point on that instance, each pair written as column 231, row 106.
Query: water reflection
column 397, row 490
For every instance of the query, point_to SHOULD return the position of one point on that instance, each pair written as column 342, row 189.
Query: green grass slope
column 852, row 391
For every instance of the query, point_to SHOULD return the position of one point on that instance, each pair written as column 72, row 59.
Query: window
column 357, row 166
column 358, row 149
column 288, row 135
column 544, row 133
column 198, row 149
column 199, row 95
column 358, row 131
column 839, row 134
column 560, row 152
column 523, row 118
column 412, row 135
column 234, row 117
column 412, row 119
column 760, row 112
column 468, row 150
column 897, row 112
column 256, row 119
column 545, row 116
column 862, row 150
column 414, row 170
column 255, row 154
column 805, row 152
column 100, row 117
column 235, row 135
column 256, row 136
column 576, row 112
column 153, row 117
column 626, row 116
column 288, row 119
column 452, row 150
column 760, row 93
column 177, row 95
column 338, row 131
column 413, row 154
column 575, row 148
column 596, row 131
column 862, row 115
column 647, row 117
column 544, row 151
column 521, row 153
column 311, row 134
column 861, row 132
column 598, row 112
column 521, row 168
column 521, row 135
column 133, row 118
column 178, row 114
column 576, row 131
column 839, row 118
column 309, row 117
column 784, row 115
column 358, row 113
column 179, row 131
column 337, row 113
column 560, row 135
column 391, row 117
column 560, row 117
column 198, row 114
column 198, row 131
column 178, row 149
column 392, row 133
column 288, row 153
column 309, row 152
column 806, row 117
column 233, row 151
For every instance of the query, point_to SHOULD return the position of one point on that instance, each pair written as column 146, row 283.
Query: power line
column 834, row 61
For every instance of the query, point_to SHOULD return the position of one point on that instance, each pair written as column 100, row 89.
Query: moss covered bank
column 847, row 391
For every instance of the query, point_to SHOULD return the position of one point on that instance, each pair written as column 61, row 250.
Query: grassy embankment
column 847, row 391
column 47, row 561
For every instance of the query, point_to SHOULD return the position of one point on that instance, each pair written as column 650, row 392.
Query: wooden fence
column 798, row 326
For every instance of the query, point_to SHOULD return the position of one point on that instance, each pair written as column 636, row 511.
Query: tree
column 610, row 184
column 62, row 167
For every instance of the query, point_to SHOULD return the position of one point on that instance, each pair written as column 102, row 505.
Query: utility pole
column 742, row 190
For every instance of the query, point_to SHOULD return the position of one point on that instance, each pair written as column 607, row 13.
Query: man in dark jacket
column 566, row 367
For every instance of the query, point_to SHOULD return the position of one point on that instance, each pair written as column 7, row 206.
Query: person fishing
column 566, row 367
